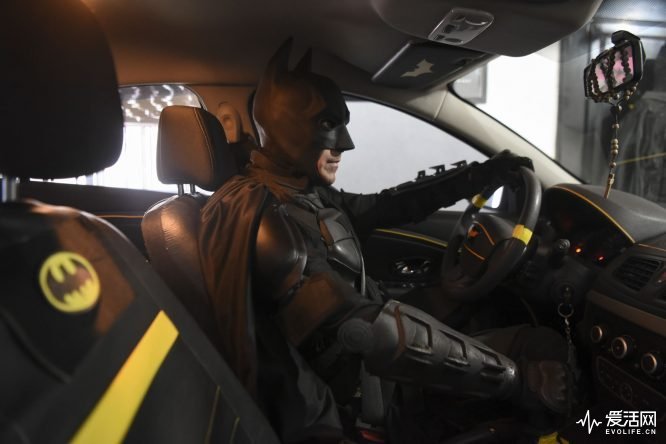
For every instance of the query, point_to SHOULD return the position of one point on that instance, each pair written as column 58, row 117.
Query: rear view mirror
column 616, row 69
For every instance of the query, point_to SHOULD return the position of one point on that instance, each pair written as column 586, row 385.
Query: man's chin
column 325, row 180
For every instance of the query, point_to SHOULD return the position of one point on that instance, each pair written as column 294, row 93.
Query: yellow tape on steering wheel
column 553, row 438
column 522, row 233
column 479, row 201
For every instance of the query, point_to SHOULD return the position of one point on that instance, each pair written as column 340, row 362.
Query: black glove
column 545, row 385
column 503, row 168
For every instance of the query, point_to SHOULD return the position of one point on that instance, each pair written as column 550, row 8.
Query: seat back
column 191, row 149
column 95, row 347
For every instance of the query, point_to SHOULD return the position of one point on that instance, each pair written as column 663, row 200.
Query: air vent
column 635, row 272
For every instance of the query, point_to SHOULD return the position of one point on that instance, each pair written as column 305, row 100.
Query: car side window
column 393, row 146
column 136, row 167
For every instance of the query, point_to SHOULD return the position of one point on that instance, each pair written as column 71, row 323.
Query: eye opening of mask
column 327, row 124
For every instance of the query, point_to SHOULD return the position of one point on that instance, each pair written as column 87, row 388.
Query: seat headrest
column 60, row 112
column 192, row 149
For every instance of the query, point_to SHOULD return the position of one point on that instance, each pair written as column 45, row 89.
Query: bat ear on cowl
column 278, row 66
column 304, row 66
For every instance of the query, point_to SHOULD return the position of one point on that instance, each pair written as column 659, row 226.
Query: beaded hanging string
column 616, row 108
column 615, row 148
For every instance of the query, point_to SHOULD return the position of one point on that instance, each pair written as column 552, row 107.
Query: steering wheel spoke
column 483, row 248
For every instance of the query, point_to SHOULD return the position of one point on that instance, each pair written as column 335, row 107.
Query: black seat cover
column 95, row 347
column 191, row 149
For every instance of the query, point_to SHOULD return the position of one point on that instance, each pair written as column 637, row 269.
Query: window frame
column 509, row 203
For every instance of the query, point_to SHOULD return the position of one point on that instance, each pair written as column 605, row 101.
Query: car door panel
column 409, row 256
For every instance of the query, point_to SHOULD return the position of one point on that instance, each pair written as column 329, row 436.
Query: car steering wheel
column 483, row 248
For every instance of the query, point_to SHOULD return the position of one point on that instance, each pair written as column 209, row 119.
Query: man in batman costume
column 296, row 314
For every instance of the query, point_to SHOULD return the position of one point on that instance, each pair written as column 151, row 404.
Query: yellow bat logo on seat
column 69, row 282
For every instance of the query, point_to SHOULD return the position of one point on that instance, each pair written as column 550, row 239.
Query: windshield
column 541, row 98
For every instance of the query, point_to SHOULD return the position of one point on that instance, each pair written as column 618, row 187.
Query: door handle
column 411, row 267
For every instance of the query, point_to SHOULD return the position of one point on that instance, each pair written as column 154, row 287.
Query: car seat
column 95, row 346
column 191, row 149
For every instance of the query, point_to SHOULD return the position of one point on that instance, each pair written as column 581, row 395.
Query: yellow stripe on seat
column 522, row 233
column 111, row 418
column 479, row 201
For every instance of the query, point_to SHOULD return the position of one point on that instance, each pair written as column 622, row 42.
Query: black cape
column 298, row 404
column 226, row 241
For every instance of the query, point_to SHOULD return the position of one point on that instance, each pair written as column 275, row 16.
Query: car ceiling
column 229, row 41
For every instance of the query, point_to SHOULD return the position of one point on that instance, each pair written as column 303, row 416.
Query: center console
column 628, row 350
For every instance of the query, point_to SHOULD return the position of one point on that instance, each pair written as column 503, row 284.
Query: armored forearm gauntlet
column 405, row 344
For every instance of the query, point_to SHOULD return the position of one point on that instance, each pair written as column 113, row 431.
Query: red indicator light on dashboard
column 601, row 258
column 578, row 250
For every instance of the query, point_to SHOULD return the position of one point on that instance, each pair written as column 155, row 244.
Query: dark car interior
column 98, row 334
column 105, row 316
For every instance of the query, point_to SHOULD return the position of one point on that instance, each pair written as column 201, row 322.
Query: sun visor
column 419, row 65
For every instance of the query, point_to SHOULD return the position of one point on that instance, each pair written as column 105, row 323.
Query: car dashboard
column 595, row 238
column 622, row 241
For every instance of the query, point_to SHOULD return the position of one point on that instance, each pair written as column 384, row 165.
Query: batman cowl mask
column 298, row 114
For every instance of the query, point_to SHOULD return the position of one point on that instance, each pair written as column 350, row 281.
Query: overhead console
column 504, row 27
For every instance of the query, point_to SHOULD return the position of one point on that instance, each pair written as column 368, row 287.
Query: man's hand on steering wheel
column 501, row 169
